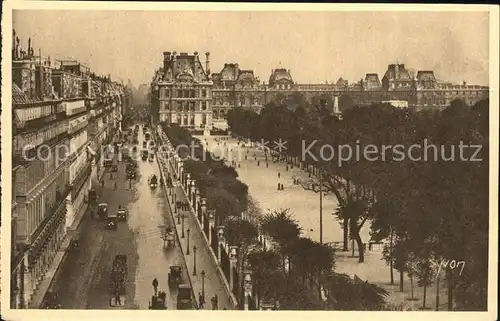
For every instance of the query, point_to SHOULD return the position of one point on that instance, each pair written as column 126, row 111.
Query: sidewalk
column 213, row 282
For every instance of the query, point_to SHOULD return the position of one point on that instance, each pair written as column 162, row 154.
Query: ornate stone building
column 181, row 91
column 235, row 87
column 51, row 170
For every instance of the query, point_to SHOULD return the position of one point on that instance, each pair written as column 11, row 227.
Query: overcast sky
column 316, row 46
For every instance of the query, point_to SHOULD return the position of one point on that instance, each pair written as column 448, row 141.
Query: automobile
column 151, row 157
column 144, row 144
column 111, row 221
column 122, row 214
column 175, row 275
column 102, row 210
column 184, row 297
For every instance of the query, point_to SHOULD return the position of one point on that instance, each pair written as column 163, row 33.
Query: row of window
column 31, row 113
column 189, row 120
column 186, row 105
column 41, row 136
column 39, row 208
column 184, row 93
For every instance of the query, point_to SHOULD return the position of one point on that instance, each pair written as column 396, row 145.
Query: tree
column 283, row 229
column 224, row 204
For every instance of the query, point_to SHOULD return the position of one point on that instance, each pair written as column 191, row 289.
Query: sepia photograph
column 249, row 157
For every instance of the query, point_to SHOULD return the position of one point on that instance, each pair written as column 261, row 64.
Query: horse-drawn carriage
column 169, row 237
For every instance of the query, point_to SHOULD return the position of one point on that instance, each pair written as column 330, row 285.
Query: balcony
column 77, row 184
column 49, row 224
column 78, row 127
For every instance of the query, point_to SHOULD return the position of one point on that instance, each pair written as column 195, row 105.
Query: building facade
column 234, row 87
column 51, row 163
column 181, row 91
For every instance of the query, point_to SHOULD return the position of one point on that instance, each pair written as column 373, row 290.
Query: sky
column 315, row 46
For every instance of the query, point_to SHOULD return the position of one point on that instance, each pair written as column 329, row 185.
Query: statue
column 17, row 47
column 14, row 44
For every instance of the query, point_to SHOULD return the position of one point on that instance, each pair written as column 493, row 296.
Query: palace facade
column 181, row 91
column 236, row 87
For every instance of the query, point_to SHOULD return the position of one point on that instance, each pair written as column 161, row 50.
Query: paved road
column 83, row 283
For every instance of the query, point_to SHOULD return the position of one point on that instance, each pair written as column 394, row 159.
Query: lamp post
column 188, row 231
column 203, row 283
column 182, row 218
column 194, row 263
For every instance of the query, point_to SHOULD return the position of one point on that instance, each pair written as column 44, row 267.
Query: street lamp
column 203, row 283
column 188, row 231
column 194, row 264
column 183, row 217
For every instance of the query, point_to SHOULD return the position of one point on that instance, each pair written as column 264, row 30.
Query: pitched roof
column 18, row 96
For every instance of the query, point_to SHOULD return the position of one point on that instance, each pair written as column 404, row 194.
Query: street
column 84, row 280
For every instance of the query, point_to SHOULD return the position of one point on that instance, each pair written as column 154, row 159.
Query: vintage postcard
column 302, row 158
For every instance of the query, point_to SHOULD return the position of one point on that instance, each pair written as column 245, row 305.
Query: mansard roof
column 279, row 75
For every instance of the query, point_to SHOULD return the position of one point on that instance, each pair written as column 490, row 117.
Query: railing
column 78, row 127
column 37, row 138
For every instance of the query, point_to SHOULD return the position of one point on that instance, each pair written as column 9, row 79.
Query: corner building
column 181, row 91
column 51, row 163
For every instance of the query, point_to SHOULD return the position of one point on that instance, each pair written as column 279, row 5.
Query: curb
column 221, row 275
column 177, row 237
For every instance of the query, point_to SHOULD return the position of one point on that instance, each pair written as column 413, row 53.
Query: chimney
column 396, row 71
column 166, row 60
column 207, row 62
column 174, row 63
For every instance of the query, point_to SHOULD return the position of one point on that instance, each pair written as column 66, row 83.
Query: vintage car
column 151, row 157
column 102, row 210
column 144, row 144
column 122, row 214
column 153, row 181
column 175, row 275
column 184, row 297
column 111, row 221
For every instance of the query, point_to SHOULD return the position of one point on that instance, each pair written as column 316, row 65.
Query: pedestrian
column 102, row 182
column 239, row 165
column 155, row 286
column 215, row 302
column 118, row 300
column 279, row 175
column 258, row 163
column 267, row 165
column 201, row 301
column 279, row 186
column 287, row 168
column 115, row 186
